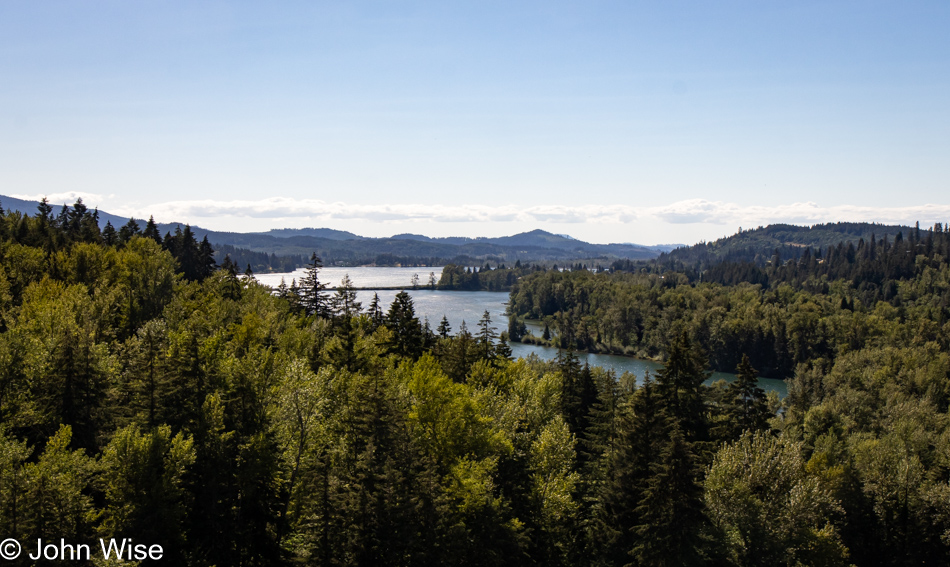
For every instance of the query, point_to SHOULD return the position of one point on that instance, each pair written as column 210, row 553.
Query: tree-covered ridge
column 758, row 246
column 238, row 425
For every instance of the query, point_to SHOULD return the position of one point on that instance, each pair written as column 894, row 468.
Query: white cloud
column 694, row 211
column 282, row 208
column 716, row 212
column 67, row 197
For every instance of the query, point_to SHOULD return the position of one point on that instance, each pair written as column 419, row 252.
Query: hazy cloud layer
column 683, row 212
column 67, row 197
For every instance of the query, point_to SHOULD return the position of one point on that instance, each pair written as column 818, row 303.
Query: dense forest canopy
column 148, row 391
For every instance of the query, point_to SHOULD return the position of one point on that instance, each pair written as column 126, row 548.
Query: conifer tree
column 151, row 230
column 407, row 338
column 444, row 329
column 578, row 392
column 458, row 353
column 749, row 408
column 231, row 286
column 311, row 291
column 109, row 236
column 128, row 230
column 670, row 515
column 206, row 263
column 375, row 312
column 642, row 428
column 486, row 336
column 343, row 304
column 680, row 384
column 45, row 211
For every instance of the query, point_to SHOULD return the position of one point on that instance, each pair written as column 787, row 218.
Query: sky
column 628, row 121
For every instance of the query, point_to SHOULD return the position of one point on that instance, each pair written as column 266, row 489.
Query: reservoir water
column 469, row 306
column 361, row 276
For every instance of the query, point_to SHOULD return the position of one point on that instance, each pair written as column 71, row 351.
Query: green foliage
column 769, row 508
column 144, row 393
column 144, row 483
column 407, row 337
column 57, row 496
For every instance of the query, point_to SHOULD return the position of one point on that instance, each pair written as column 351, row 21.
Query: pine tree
column 516, row 329
column 670, row 514
column 311, row 291
column 89, row 227
column 375, row 312
column 749, row 408
column 578, row 392
column 206, row 263
column 458, row 353
column 128, row 230
column 231, row 286
column 407, row 337
column 486, row 336
column 503, row 349
column 151, row 230
column 343, row 304
column 109, row 235
column 444, row 329
column 45, row 211
column 642, row 428
column 680, row 384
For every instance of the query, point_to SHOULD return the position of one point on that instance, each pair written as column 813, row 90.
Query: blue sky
column 610, row 121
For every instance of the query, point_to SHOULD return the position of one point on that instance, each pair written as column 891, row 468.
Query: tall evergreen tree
column 151, row 231
column 128, row 230
column 109, row 235
column 642, row 429
column 312, row 296
column 444, row 329
column 407, row 338
column 578, row 392
column 486, row 336
column 343, row 304
column 375, row 312
column 670, row 514
column 680, row 385
column 749, row 408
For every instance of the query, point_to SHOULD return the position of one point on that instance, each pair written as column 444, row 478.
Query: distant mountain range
column 340, row 247
column 347, row 248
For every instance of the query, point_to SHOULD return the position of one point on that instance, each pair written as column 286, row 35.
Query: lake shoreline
column 468, row 306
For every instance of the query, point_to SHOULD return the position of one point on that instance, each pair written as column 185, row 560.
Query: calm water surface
column 360, row 276
column 468, row 307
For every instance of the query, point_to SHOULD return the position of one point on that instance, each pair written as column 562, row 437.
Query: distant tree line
column 260, row 262
column 463, row 277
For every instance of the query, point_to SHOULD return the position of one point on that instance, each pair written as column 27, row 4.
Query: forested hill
column 758, row 246
column 534, row 246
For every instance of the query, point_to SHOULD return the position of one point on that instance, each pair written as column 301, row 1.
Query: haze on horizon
column 610, row 122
